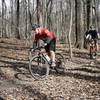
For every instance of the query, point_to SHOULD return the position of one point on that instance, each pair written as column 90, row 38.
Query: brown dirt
column 80, row 82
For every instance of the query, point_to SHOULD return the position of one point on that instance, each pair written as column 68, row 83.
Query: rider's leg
column 95, row 49
column 53, row 58
column 52, row 47
column 97, row 46
column 90, row 49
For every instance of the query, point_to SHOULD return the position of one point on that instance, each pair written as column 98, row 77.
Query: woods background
column 17, row 17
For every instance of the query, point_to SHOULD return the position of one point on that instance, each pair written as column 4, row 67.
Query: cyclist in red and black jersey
column 48, row 38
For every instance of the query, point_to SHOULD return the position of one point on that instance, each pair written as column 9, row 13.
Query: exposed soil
column 80, row 82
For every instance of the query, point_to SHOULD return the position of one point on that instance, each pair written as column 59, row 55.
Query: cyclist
column 48, row 38
column 93, row 35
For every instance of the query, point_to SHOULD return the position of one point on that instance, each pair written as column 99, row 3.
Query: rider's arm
column 48, row 39
column 86, row 33
column 98, row 35
column 34, row 44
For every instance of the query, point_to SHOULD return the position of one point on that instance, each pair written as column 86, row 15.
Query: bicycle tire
column 60, row 64
column 38, row 67
column 91, row 52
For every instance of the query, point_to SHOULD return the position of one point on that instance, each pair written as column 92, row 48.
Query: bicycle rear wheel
column 91, row 52
column 38, row 67
column 60, row 63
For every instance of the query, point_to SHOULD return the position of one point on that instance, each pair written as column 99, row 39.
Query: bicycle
column 40, row 64
column 93, row 49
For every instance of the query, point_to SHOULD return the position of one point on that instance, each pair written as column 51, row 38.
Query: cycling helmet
column 92, row 26
column 35, row 26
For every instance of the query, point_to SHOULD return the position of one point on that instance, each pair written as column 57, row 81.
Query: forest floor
column 80, row 82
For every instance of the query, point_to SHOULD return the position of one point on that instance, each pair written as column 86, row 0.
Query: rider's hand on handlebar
column 45, row 44
column 32, row 49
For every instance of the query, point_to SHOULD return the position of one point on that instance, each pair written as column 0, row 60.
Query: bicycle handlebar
column 37, row 48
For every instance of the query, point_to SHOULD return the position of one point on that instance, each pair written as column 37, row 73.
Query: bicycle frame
column 41, row 53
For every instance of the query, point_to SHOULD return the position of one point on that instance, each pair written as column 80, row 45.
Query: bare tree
column 70, row 30
column 79, row 22
column 12, row 16
column 89, row 13
column 39, row 12
column 3, row 29
column 17, row 35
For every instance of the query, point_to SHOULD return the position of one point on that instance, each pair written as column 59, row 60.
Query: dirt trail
column 80, row 82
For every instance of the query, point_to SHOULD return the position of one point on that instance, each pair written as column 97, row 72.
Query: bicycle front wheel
column 38, row 67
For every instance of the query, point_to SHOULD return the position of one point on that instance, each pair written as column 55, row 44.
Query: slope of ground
column 80, row 82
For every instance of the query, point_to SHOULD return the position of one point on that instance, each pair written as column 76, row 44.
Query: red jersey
column 44, row 34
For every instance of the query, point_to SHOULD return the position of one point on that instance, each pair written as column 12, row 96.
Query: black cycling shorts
column 95, row 40
column 51, row 46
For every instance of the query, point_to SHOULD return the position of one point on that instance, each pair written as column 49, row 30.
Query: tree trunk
column 39, row 12
column 70, row 29
column 79, row 24
column 89, row 13
column 3, row 29
column 17, row 35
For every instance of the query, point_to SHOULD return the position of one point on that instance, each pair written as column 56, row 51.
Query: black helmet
column 92, row 26
column 35, row 26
